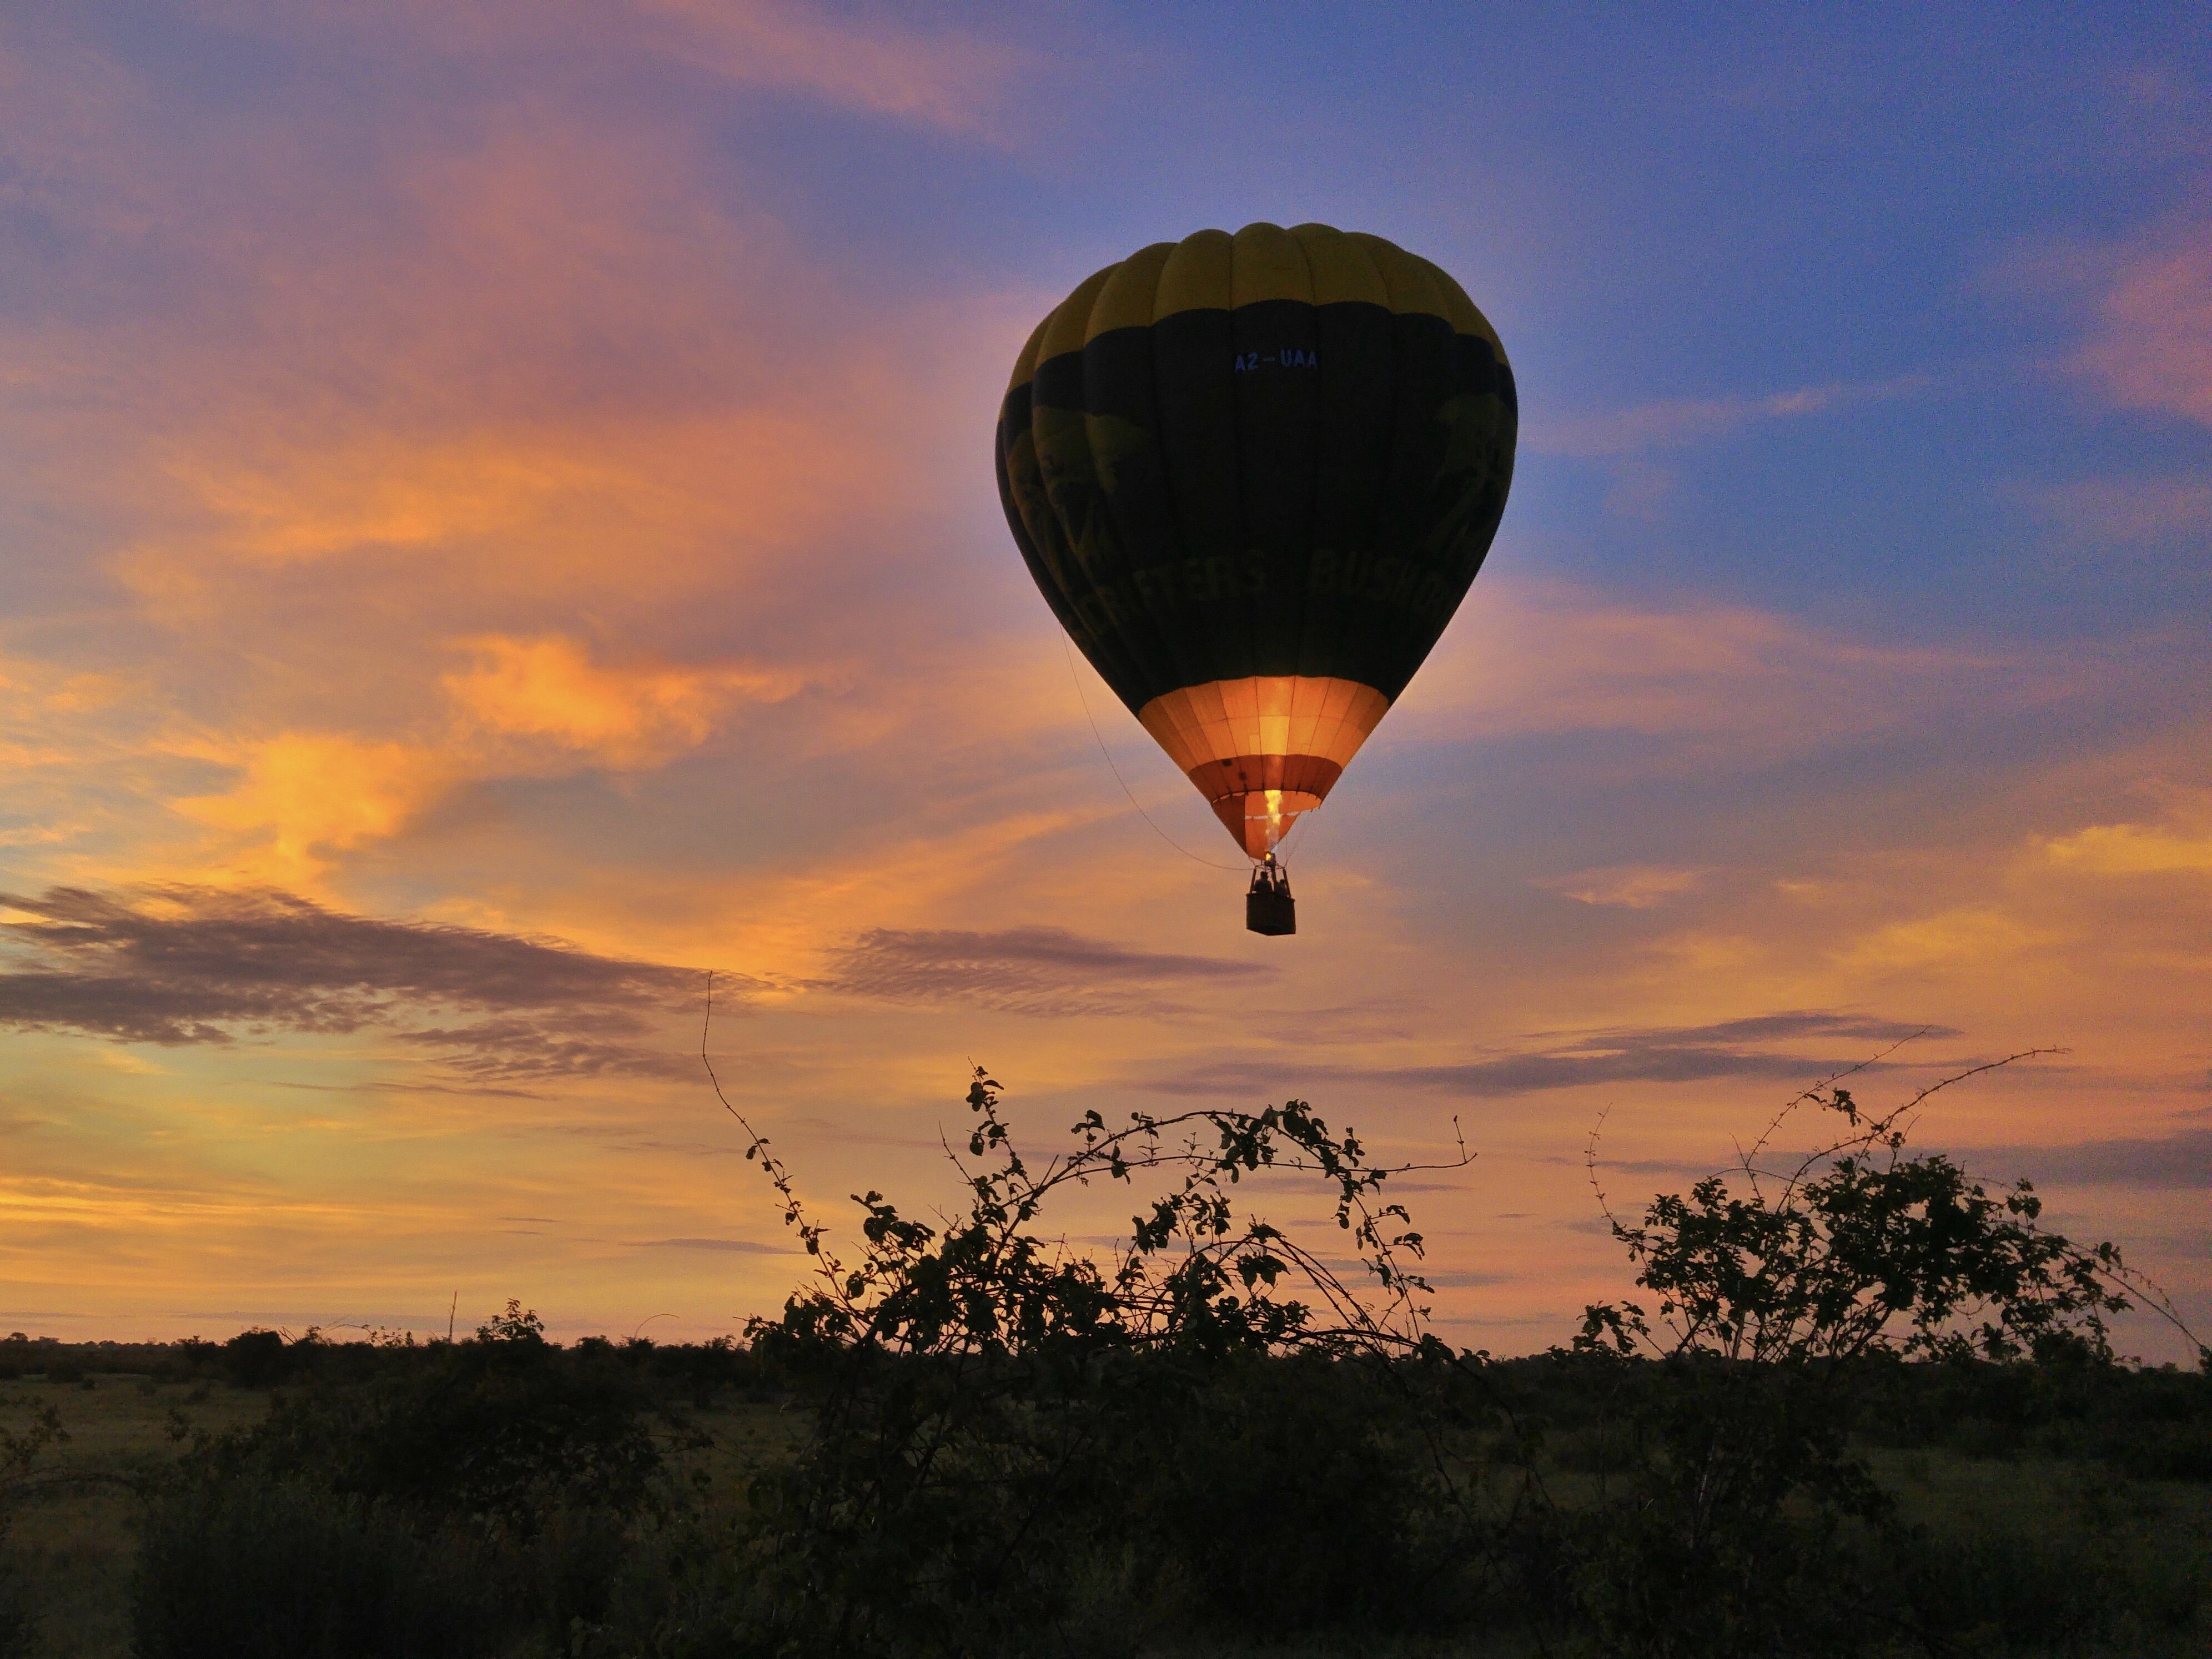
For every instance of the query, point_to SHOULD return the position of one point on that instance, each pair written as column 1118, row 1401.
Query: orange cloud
column 521, row 387
column 1989, row 937
column 643, row 507
column 555, row 363
column 787, row 925
column 626, row 717
column 527, row 707
column 387, row 494
column 2133, row 849
column 311, row 794
column 39, row 701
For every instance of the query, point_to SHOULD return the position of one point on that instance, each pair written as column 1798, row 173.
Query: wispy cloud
column 2183, row 1160
column 938, row 77
column 1677, row 422
column 879, row 62
column 1045, row 971
column 2149, row 340
column 2124, row 511
column 181, row 966
column 735, row 1246
column 1741, row 684
column 1660, row 1055
column 567, row 1041
column 1630, row 886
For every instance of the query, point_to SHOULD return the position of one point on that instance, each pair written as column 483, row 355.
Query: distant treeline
column 2144, row 1422
column 263, row 1359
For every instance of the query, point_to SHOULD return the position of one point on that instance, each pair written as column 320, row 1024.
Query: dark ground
column 2076, row 1510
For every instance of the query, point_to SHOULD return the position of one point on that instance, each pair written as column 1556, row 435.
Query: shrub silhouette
column 995, row 1415
column 257, row 1358
column 492, row 1428
column 1784, row 1296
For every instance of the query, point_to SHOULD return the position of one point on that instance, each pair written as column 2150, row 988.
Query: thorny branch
column 1191, row 1264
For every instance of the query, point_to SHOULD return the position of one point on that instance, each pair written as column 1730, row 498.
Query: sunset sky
column 496, row 520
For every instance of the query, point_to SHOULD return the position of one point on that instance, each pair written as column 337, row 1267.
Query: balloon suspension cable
column 1100, row 739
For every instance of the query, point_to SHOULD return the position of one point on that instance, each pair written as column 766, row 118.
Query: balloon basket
column 1268, row 907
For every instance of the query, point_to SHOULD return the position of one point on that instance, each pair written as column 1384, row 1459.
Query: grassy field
column 2040, row 1531
column 75, row 1536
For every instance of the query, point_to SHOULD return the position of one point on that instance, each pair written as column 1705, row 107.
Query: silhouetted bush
column 1744, row 1519
column 258, row 1360
column 1003, row 1426
column 503, row 1427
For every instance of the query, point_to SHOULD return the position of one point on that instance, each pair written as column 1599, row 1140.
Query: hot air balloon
column 1254, row 476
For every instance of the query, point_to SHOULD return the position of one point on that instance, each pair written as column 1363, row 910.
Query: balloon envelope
column 1254, row 476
